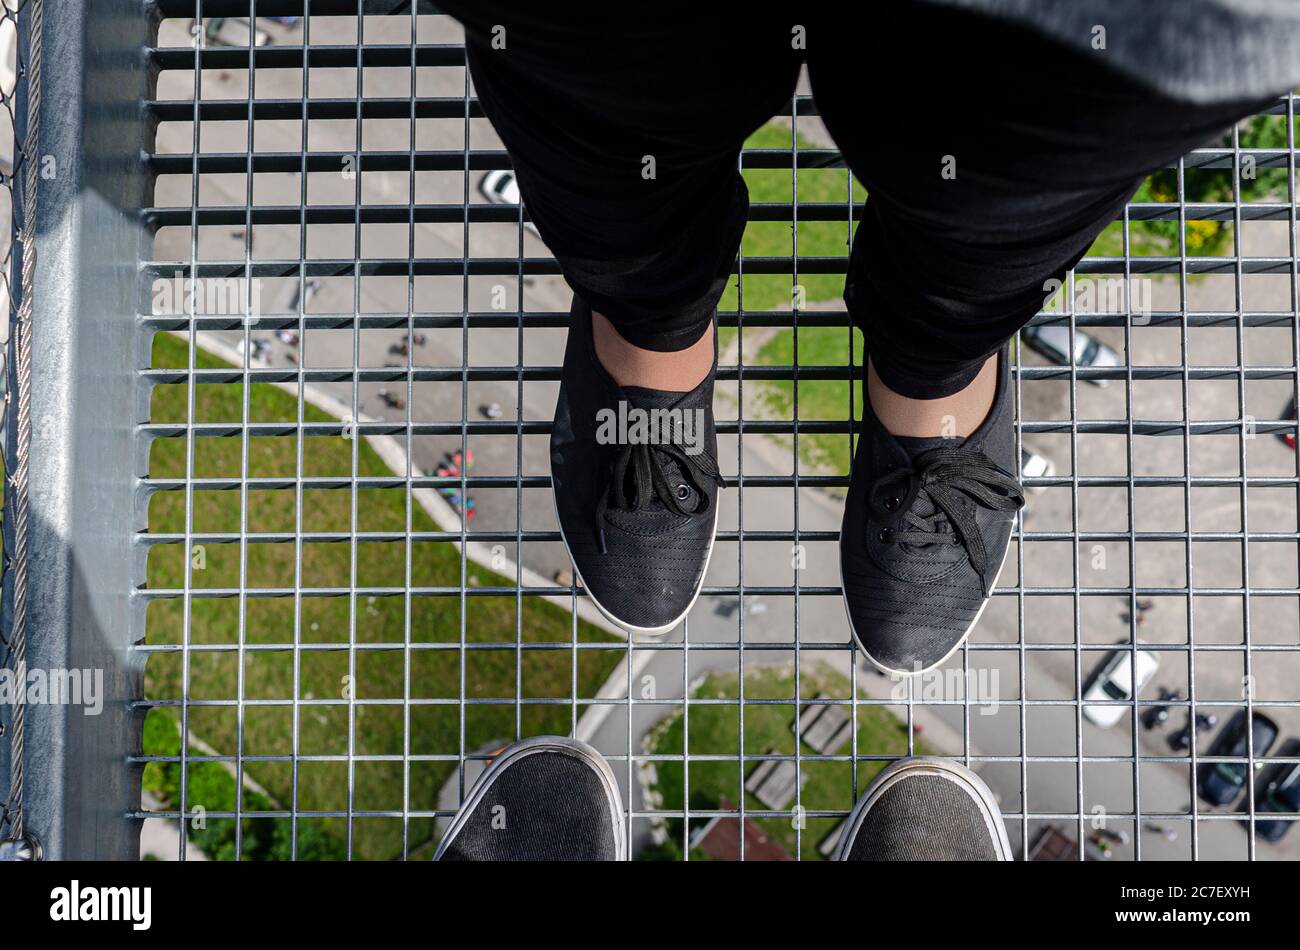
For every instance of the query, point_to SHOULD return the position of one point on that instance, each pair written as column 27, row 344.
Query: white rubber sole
column 891, row 671
column 935, row 768
column 570, row 747
column 610, row 615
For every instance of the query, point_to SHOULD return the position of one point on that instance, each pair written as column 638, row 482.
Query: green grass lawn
column 714, row 730
column 817, row 345
column 490, row 668
column 819, row 399
column 776, row 239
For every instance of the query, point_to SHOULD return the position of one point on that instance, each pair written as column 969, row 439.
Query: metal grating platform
column 342, row 646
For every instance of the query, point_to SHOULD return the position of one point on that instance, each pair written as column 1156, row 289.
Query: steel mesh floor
column 343, row 646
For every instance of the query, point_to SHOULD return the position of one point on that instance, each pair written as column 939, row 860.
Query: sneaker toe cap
column 648, row 593
column 908, row 628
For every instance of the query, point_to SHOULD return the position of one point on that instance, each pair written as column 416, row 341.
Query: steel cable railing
column 22, row 101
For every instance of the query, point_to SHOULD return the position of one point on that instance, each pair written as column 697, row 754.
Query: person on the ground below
column 995, row 140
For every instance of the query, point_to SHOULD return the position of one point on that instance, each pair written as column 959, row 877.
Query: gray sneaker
column 925, row 809
column 542, row 799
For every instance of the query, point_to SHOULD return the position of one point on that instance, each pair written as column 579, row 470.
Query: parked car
column 1278, row 791
column 1114, row 681
column 1219, row 783
column 1033, row 465
column 501, row 188
column 1053, row 342
column 1288, row 438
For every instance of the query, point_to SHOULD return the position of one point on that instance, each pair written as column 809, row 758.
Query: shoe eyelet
column 683, row 492
column 885, row 536
column 892, row 504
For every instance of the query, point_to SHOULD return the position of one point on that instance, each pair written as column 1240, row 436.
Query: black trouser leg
column 623, row 126
column 992, row 156
column 992, row 159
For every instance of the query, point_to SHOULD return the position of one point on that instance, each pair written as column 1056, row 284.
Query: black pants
column 992, row 158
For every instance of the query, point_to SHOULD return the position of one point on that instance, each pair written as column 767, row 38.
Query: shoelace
column 646, row 464
column 944, row 475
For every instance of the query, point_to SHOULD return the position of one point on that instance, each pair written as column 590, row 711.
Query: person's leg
column 925, row 809
column 623, row 123
column 542, row 799
column 992, row 161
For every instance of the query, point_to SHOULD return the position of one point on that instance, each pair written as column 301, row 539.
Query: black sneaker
column 638, row 517
column 925, row 809
column 542, row 799
column 927, row 523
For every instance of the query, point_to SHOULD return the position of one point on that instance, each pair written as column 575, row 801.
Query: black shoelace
column 943, row 476
column 664, row 471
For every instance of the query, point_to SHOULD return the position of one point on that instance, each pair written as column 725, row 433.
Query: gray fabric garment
column 1198, row 50
column 924, row 818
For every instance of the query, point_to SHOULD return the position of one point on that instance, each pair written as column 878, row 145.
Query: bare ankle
column 678, row 371
column 955, row 416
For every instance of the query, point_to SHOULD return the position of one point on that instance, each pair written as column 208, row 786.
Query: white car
column 1053, row 342
column 500, row 187
column 1114, row 681
column 1033, row 465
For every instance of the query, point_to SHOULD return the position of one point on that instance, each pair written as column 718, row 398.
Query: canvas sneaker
column 925, row 809
column 927, row 524
column 542, row 799
column 635, row 479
